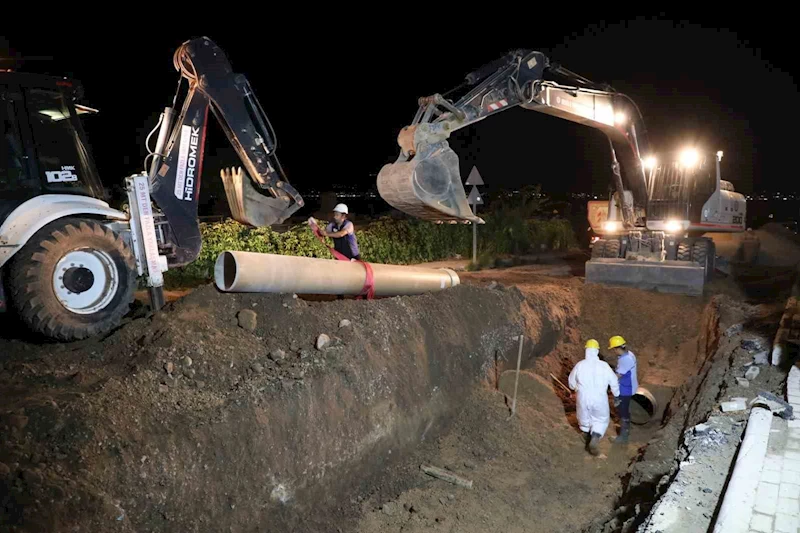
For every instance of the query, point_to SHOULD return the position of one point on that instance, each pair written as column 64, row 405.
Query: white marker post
column 474, row 200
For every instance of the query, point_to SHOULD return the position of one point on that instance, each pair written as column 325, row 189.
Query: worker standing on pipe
column 628, row 383
column 592, row 378
column 343, row 233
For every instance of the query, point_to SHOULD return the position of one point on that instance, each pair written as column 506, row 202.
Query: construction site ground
column 229, row 412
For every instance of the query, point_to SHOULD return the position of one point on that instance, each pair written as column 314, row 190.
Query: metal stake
column 474, row 236
column 516, row 381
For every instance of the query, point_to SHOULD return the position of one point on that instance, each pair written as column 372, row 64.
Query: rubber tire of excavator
column 598, row 248
column 612, row 248
column 32, row 296
column 684, row 250
column 703, row 254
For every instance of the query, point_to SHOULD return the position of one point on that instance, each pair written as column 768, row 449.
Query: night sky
column 337, row 96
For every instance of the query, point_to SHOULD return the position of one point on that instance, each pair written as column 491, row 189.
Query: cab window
column 57, row 144
column 13, row 169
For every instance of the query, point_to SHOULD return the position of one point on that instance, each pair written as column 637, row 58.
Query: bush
column 387, row 240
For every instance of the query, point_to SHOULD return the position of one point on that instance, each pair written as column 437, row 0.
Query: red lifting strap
column 369, row 283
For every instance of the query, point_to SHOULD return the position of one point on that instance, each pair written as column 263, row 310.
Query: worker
column 628, row 384
column 591, row 378
column 343, row 233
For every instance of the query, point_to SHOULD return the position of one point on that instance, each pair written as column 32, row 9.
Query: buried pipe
column 236, row 271
column 643, row 406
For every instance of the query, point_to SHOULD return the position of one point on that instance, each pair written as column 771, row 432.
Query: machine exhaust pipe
column 237, row 271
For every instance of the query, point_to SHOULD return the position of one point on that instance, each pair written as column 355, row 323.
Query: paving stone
column 792, row 465
column 785, row 523
column 767, row 498
column 773, row 462
column 761, row 523
column 789, row 490
column 790, row 507
column 771, row 476
column 787, row 476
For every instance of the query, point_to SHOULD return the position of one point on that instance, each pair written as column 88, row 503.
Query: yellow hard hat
column 615, row 342
column 591, row 343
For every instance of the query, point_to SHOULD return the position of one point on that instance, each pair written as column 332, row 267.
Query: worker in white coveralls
column 591, row 378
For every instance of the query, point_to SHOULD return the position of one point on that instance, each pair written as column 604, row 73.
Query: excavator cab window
column 62, row 157
column 679, row 193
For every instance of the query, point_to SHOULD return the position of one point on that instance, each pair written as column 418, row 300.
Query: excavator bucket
column 247, row 205
column 427, row 187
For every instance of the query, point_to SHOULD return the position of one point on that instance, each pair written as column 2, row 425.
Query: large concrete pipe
column 643, row 406
column 253, row 272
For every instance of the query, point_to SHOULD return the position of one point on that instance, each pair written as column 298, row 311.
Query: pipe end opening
column 225, row 271
column 642, row 408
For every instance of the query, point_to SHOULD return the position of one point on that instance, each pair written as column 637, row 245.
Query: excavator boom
column 177, row 165
column 425, row 180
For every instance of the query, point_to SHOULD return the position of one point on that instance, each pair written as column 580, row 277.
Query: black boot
column 593, row 444
column 624, row 430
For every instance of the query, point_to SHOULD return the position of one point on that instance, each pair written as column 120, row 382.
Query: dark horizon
column 337, row 110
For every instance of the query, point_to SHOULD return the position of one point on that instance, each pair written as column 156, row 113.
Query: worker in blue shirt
column 343, row 234
column 628, row 384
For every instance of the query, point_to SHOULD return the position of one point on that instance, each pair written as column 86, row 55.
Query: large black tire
column 703, row 254
column 684, row 250
column 612, row 248
column 598, row 248
column 35, row 297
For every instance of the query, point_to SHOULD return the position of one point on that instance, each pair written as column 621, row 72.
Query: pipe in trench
column 236, row 271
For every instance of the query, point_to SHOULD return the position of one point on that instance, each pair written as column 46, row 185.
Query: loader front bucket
column 427, row 187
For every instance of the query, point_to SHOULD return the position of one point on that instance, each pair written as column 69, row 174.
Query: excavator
column 69, row 262
column 652, row 229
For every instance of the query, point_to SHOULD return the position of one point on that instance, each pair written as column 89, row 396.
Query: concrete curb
column 793, row 389
column 782, row 335
column 784, row 329
column 740, row 496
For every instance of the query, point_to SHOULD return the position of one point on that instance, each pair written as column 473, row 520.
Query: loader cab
column 43, row 147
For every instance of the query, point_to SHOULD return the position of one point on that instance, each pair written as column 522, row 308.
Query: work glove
column 617, row 401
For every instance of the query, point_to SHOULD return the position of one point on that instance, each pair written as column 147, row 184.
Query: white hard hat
column 340, row 208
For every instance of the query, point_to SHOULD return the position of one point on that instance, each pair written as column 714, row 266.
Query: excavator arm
column 425, row 179
column 258, row 196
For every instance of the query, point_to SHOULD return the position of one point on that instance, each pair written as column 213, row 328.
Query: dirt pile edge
column 190, row 422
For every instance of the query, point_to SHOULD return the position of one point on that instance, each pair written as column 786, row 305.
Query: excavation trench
column 676, row 443
column 231, row 412
column 531, row 471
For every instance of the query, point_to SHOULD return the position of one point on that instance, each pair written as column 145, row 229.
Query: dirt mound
column 229, row 410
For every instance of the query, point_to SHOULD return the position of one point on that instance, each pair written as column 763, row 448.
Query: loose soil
column 167, row 424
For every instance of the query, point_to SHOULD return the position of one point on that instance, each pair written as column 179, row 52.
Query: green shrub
column 383, row 241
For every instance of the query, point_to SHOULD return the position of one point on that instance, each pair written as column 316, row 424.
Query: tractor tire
column 598, row 248
column 73, row 279
column 684, row 251
column 703, row 254
column 612, row 248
